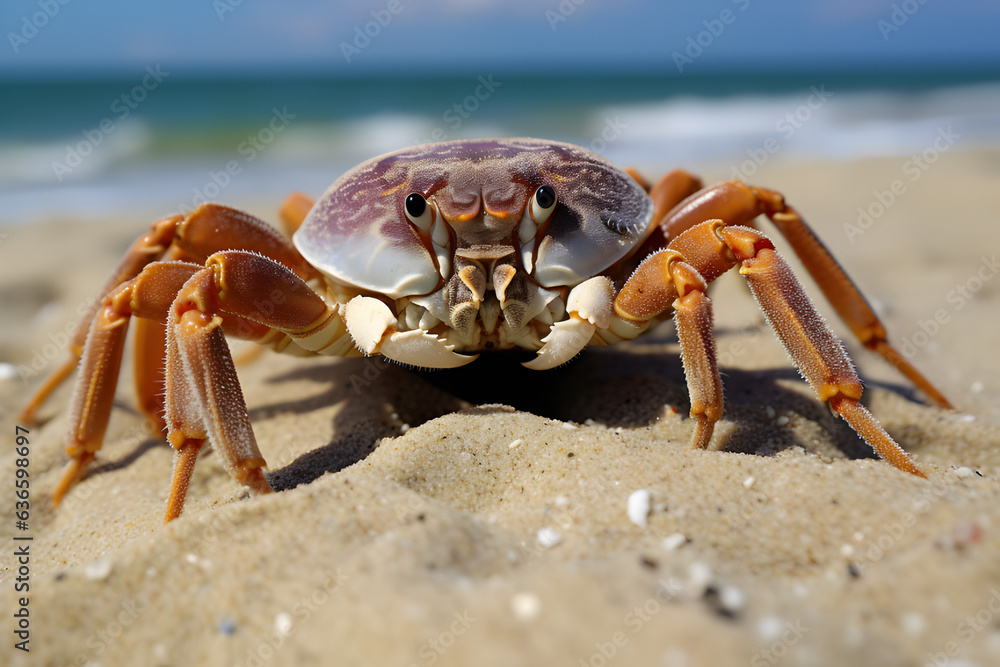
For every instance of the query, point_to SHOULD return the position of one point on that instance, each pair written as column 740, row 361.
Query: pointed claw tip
column 423, row 350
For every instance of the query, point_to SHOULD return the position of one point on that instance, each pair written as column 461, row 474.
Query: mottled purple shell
column 358, row 232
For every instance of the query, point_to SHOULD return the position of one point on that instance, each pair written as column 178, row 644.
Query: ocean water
column 155, row 142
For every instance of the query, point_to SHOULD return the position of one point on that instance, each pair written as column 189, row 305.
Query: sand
column 482, row 516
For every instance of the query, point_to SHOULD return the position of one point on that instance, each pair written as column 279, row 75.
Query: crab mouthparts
column 487, row 282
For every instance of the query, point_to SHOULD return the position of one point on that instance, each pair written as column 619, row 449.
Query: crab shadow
column 617, row 388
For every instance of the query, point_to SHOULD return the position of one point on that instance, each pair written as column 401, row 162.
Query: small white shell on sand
column 97, row 570
column 674, row 541
column 638, row 507
column 549, row 537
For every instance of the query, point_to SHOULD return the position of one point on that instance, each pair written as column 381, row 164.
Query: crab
column 436, row 253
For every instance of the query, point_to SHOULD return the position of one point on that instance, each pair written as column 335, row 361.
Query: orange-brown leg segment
column 147, row 248
column 204, row 400
column 193, row 237
column 203, row 396
column 150, row 344
column 739, row 204
column 814, row 348
column 187, row 455
column 712, row 248
column 147, row 295
column 693, row 318
column 670, row 191
column 294, row 211
column 664, row 281
column 842, row 293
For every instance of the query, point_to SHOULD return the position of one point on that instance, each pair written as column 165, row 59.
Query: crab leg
column 294, row 211
column 192, row 300
column 194, row 237
column 148, row 295
column 204, row 400
column 693, row 318
column 147, row 248
column 665, row 281
column 842, row 293
column 817, row 353
column 712, row 248
column 149, row 341
column 671, row 190
column 739, row 204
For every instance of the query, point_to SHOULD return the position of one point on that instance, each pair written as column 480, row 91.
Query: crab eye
column 418, row 212
column 543, row 203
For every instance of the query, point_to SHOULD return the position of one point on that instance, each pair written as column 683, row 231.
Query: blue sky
column 447, row 36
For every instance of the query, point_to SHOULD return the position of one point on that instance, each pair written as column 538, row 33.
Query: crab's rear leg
column 147, row 248
column 714, row 248
column 294, row 211
column 739, row 204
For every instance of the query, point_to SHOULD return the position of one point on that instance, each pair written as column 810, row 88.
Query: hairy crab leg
column 739, row 204
column 712, row 248
column 809, row 341
column 203, row 396
column 147, row 295
column 231, row 286
column 149, row 343
column 147, row 248
column 194, row 237
column 671, row 190
column 693, row 318
column 842, row 293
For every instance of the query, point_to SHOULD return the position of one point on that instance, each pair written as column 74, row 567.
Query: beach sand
column 480, row 517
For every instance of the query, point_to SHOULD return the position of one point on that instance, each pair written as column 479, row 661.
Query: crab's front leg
column 147, row 296
column 236, row 292
column 258, row 299
column 664, row 280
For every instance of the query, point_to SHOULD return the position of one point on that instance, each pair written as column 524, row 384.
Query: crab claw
column 372, row 326
column 589, row 305
column 419, row 348
column 564, row 342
